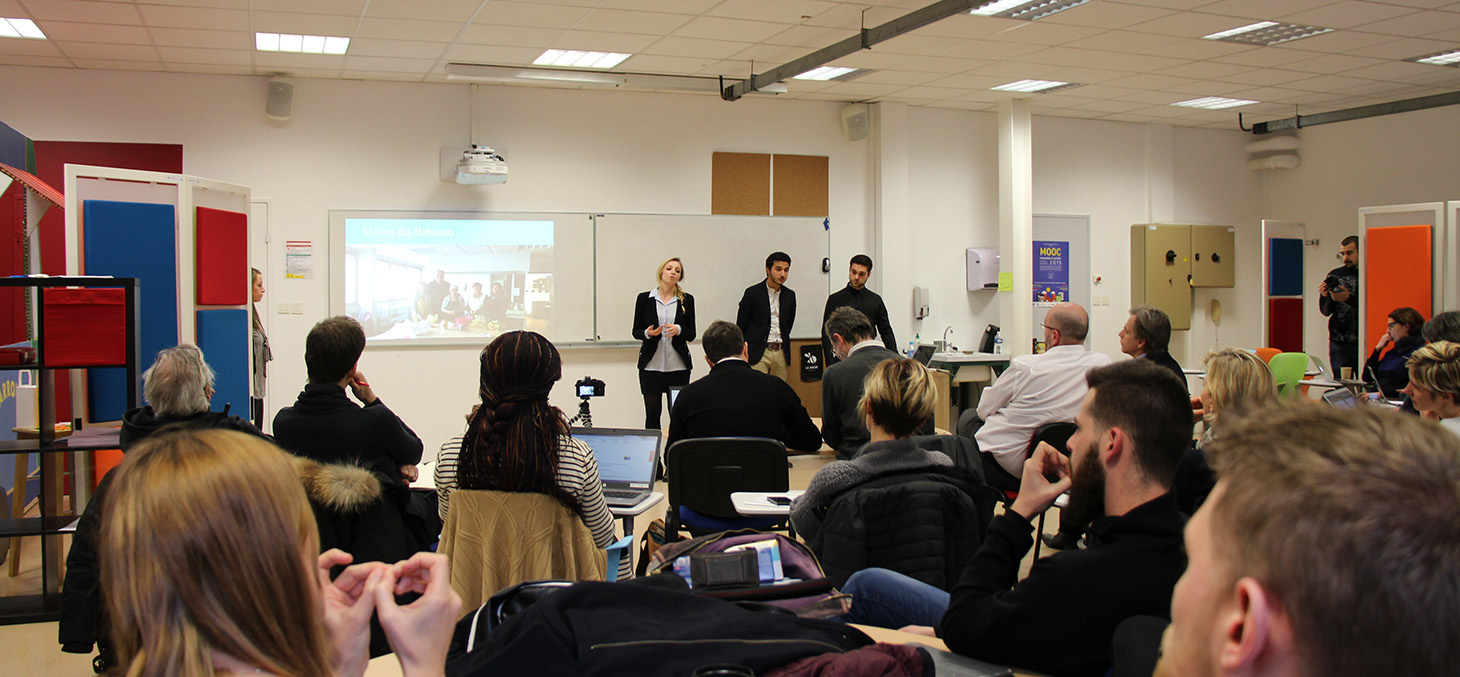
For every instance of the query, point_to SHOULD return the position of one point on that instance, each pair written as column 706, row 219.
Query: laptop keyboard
column 620, row 494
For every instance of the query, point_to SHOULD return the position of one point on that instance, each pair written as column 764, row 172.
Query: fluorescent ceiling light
column 302, row 44
column 1214, row 103
column 1026, row 10
column 573, row 58
column 824, row 73
column 20, row 28
column 1032, row 86
column 1267, row 33
column 1450, row 58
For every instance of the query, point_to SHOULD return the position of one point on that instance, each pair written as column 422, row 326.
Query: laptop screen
column 624, row 456
column 674, row 395
column 924, row 354
column 1341, row 397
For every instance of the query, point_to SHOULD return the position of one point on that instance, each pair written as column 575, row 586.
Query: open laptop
column 674, row 395
column 924, row 355
column 626, row 460
column 1343, row 398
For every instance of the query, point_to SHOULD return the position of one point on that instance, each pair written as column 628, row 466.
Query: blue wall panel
column 1285, row 267
column 132, row 239
column 223, row 335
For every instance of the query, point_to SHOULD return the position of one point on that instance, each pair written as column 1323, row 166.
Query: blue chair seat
column 697, row 521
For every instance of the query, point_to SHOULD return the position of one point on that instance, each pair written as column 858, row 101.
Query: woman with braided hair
column 516, row 441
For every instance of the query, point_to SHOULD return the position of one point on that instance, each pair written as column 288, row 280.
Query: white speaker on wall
column 854, row 122
column 280, row 103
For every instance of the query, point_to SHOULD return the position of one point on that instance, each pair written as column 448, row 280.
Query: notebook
column 626, row 460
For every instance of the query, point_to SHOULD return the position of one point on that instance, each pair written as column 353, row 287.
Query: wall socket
column 296, row 307
column 1101, row 300
column 283, row 308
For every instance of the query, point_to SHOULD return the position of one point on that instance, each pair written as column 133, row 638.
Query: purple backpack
column 812, row 595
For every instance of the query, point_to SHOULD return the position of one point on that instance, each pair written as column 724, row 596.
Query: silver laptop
column 626, row 460
column 1343, row 398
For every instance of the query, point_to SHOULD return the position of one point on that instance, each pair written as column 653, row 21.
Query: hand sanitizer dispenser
column 983, row 269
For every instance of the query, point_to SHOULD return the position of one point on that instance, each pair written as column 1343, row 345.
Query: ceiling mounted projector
column 481, row 165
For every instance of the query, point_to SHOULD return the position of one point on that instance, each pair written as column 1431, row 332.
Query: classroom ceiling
column 1130, row 58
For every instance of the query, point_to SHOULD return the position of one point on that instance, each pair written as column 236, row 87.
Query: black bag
column 593, row 628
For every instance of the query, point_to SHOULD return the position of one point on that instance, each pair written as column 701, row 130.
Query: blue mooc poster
column 1051, row 271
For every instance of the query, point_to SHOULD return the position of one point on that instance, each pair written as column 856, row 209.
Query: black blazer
column 734, row 400
column 754, row 319
column 647, row 315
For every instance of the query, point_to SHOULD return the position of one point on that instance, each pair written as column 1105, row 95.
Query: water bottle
column 912, row 348
column 917, row 341
column 999, row 343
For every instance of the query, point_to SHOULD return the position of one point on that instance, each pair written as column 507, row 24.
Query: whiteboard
column 722, row 255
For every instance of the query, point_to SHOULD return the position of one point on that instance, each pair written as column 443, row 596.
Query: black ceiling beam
column 863, row 40
column 1390, row 108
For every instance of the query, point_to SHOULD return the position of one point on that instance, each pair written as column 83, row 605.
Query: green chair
column 1287, row 371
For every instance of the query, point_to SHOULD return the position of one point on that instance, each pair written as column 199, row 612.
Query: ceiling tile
column 1337, row 42
column 1346, row 14
column 1265, row 57
column 405, row 29
column 858, row 90
column 1123, row 41
column 1014, row 70
column 1040, row 33
column 97, row 50
column 1326, row 83
column 387, row 64
column 492, row 54
column 1084, row 75
column 1404, row 49
column 1110, row 106
column 187, row 37
column 1260, row 10
column 85, row 32
column 968, row 27
column 1418, row 23
column 780, row 11
column 718, row 28
column 1264, row 77
column 538, row 15
column 1188, row 25
column 1137, row 63
column 927, row 92
column 36, row 48
column 1106, row 15
column 935, row 64
column 1333, row 63
column 694, row 48
column 194, row 55
column 622, row 21
column 1166, row 4
column 918, row 44
column 1208, row 88
column 80, row 10
column 983, row 49
column 1149, row 81
column 387, row 76
column 194, row 17
column 347, row 7
column 967, row 81
column 1197, row 49
column 12, row 9
column 1393, row 70
column 515, row 36
column 1205, row 70
column 677, row 6
column 852, row 18
column 118, row 65
column 1067, row 56
column 396, row 48
column 304, row 24
column 209, row 68
column 769, row 55
column 808, row 37
column 626, row 43
column 457, row 11
column 896, row 77
column 871, row 59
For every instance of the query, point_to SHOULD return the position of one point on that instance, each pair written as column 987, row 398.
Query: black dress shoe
column 1060, row 541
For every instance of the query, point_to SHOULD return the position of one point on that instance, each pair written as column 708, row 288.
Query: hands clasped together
column 419, row 632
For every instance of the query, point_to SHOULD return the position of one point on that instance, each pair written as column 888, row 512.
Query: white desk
column 754, row 503
column 969, row 367
column 627, row 514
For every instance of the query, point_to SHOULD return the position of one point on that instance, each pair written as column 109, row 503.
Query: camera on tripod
column 589, row 387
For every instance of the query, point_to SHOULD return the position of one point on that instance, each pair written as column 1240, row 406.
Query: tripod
column 584, row 414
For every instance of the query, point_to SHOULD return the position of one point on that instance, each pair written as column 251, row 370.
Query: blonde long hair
column 1237, row 380
column 659, row 276
column 207, row 546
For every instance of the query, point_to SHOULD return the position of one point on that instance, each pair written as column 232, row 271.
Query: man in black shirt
column 1340, row 303
column 734, row 400
column 1133, row 425
column 1147, row 335
column 857, row 295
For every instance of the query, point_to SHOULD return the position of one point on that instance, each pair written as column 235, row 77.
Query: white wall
column 375, row 145
column 1395, row 159
column 1105, row 170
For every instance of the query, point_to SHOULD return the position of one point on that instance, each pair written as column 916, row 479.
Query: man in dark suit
column 855, row 344
column 857, row 295
column 767, row 311
column 734, row 400
column 1147, row 335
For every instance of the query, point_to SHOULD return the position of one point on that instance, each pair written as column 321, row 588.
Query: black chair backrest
column 957, row 447
column 1057, row 434
column 703, row 472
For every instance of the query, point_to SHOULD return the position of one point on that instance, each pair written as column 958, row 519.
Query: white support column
column 892, row 272
column 1016, row 224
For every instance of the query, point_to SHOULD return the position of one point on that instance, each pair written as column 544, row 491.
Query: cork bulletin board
column 740, row 184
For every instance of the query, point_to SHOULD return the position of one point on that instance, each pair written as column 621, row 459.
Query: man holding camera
column 1339, row 302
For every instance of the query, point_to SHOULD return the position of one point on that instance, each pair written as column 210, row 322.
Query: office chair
column 702, row 473
column 957, row 447
column 1057, row 434
column 1268, row 353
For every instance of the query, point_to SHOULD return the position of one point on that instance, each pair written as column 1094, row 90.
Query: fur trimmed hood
column 341, row 487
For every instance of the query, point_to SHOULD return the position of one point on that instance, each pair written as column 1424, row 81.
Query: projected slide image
column 448, row 278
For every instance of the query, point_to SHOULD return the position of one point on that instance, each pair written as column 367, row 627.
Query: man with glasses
column 1033, row 391
column 1338, row 300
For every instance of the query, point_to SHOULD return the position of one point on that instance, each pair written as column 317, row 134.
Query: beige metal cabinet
column 1212, row 249
column 1160, row 262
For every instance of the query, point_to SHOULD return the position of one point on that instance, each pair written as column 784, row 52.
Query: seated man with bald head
column 1033, row 391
